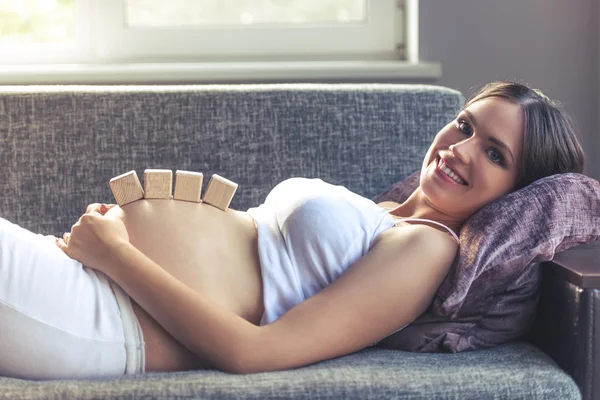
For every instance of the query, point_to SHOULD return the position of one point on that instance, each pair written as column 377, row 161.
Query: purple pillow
column 490, row 294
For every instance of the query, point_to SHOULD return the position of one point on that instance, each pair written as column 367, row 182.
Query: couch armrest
column 567, row 325
column 579, row 265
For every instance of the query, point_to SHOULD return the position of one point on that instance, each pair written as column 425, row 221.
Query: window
column 247, row 29
column 103, row 33
column 41, row 31
column 36, row 22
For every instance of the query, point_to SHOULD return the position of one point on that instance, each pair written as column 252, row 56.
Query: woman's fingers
column 102, row 208
column 92, row 239
column 93, row 206
column 62, row 245
column 105, row 207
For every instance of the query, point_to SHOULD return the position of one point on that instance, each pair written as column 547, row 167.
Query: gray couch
column 59, row 146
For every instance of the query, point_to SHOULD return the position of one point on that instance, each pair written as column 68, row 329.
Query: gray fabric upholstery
column 60, row 145
column 518, row 371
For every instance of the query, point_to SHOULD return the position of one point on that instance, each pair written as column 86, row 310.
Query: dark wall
column 549, row 44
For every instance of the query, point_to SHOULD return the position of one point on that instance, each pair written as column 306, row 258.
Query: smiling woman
column 464, row 170
column 313, row 273
column 505, row 137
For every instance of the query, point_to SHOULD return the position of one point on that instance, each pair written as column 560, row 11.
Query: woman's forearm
column 201, row 325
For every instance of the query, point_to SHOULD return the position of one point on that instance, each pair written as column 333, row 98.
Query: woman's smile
column 444, row 175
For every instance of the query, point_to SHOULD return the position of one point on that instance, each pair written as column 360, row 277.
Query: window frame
column 378, row 38
column 93, row 60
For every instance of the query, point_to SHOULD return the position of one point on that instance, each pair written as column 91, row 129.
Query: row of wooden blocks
column 158, row 185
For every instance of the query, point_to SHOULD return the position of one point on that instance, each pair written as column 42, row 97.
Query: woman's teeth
column 442, row 166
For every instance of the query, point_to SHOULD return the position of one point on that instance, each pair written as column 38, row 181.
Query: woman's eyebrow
column 491, row 138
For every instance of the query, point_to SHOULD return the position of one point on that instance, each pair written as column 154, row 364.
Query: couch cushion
column 60, row 145
column 514, row 371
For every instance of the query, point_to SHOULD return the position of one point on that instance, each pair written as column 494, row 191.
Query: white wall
column 550, row 44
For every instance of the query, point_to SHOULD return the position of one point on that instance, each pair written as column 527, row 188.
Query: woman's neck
column 416, row 207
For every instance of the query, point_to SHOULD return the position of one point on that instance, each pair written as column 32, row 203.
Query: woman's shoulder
column 429, row 240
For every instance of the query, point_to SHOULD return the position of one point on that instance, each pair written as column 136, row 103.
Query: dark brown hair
column 550, row 143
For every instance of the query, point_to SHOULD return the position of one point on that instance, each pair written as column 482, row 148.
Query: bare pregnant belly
column 212, row 251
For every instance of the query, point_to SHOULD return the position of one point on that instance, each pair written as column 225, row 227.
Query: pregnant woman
column 314, row 273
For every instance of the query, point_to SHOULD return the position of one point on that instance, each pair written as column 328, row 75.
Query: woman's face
column 470, row 145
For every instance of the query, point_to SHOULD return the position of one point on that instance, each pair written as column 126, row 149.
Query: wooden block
column 126, row 188
column 219, row 192
column 158, row 183
column 188, row 186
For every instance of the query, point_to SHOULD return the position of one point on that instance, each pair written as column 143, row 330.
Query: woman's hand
column 94, row 238
column 99, row 207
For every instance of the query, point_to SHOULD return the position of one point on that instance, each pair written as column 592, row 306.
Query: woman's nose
column 460, row 151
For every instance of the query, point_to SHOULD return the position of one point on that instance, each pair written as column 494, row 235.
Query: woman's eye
column 464, row 127
column 498, row 158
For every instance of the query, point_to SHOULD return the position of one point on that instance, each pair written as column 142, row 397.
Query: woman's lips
column 443, row 175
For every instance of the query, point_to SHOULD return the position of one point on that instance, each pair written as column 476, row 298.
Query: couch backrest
column 60, row 145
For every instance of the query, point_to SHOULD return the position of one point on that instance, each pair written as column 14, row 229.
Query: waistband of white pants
column 132, row 331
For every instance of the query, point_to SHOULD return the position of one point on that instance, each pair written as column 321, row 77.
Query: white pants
column 58, row 319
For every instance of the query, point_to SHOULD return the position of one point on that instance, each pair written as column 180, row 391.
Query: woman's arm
column 382, row 292
column 204, row 327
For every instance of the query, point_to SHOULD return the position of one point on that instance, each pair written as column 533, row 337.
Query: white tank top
column 309, row 233
column 397, row 222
